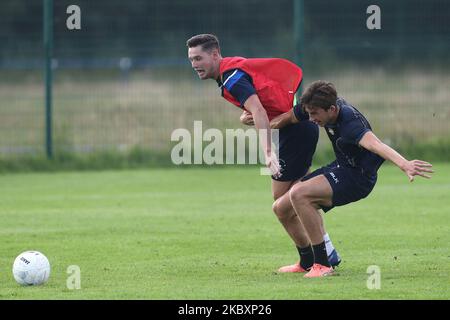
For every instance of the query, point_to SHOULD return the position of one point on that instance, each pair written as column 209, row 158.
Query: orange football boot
column 319, row 270
column 292, row 268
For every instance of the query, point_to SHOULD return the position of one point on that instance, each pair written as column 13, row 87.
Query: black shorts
column 297, row 144
column 348, row 184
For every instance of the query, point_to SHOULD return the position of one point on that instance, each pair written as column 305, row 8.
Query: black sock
column 320, row 254
column 306, row 257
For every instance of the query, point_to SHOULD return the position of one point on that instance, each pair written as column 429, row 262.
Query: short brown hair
column 319, row 94
column 207, row 41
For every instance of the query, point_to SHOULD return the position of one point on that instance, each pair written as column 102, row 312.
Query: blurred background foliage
column 123, row 83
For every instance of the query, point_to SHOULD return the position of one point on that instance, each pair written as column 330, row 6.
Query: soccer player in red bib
column 265, row 88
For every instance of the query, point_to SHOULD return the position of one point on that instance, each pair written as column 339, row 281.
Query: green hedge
column 433, row 151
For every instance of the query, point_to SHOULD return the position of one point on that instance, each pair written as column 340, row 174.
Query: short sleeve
column 353, row 130
column 299, row 113
column 239, row 85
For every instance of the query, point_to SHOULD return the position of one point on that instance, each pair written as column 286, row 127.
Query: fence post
column 48, row 45
column 299, row 36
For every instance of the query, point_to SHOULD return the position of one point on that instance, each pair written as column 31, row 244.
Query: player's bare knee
column 276, row 208
column 299, row 193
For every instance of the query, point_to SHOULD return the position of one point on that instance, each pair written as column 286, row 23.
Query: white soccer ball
column 31, row 268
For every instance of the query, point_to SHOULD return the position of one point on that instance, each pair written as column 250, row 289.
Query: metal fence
column 123, row 79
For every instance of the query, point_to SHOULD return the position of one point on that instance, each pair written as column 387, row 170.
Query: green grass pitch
column 210, row 233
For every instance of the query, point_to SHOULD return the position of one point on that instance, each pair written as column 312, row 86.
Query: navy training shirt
column 239, row 84
column 345, row 135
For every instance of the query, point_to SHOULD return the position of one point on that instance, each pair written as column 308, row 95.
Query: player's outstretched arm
column 411, row 168
column 283, row 120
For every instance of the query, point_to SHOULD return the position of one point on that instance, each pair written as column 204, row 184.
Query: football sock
column 320, row 254
column 306, row 257
column 328, row 244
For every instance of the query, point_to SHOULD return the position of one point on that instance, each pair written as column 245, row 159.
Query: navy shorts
column 348, row 184
column 297, row 144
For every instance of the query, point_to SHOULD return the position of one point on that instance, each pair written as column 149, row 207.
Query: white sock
column 328, row 244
